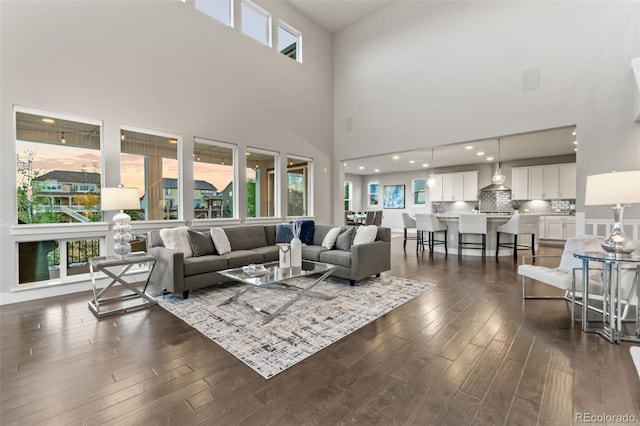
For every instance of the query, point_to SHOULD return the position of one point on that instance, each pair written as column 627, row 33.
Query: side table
column 116, row 268
column 613, row 266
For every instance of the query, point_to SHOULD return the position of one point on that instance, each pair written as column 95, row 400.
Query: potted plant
column 516, row 207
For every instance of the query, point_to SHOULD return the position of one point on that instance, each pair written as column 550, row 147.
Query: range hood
column 494, row 187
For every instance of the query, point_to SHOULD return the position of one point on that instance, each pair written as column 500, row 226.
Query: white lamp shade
column 119, row 198
column 613, row 188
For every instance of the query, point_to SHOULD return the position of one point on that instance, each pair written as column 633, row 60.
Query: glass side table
column 612, row 325
column 116, row 268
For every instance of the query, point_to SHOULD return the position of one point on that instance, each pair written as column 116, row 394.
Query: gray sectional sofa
column 257, row 244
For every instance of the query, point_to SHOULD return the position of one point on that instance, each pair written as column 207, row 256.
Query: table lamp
column 614, row 188
column 120, row 198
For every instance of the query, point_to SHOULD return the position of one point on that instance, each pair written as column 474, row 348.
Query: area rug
column 306, row 327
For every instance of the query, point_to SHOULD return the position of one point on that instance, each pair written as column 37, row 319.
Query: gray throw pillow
column 201, row 243
column 345, row 239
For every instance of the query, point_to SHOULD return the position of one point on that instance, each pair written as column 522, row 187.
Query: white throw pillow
column 220, row 240
column 365, row 234
column 177, row 239
column 329, row 240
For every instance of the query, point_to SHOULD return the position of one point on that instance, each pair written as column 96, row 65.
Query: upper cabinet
column 555, row 181
column 461, row 186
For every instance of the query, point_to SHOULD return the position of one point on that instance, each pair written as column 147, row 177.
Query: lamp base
column 122, row 248
column 618, row 242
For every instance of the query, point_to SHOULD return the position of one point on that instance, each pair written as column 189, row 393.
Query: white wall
column 419, row 74
column 162, row 65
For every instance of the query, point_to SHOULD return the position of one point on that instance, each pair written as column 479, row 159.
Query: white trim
column 263, row 12
column 295, row 32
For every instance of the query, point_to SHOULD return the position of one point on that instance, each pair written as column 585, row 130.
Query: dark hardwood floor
column 466, row 352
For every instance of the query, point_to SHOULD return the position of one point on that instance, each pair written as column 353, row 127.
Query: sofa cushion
column 306, row 231
column 270, row 232
column 177, row 239
column 345, row 239
column 319, row 232
column 329, row 240
column 312, row 252
column 365, row 234
column 336, row 257
column 270, row 253
column 204, row 264
column 284, row 234
column 220, row 240
column 201, row 243
column 238, row 258
column 246, row 237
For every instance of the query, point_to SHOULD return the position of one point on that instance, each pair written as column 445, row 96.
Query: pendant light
column 498, row 178
column 431, row 179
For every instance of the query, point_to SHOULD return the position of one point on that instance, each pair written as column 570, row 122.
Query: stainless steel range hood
column 494, row 187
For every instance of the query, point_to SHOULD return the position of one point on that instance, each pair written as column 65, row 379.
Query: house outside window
column 214, row 173
column 149, row 162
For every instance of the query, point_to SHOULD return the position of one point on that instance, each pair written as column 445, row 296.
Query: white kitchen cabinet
column 536, row 183
column 550, row 182
column 567, row 181
column 558, row 227
column 436, row 191
column 470, row 186
column 520, row 183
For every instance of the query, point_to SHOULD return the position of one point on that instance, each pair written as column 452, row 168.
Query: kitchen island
column 493, row 221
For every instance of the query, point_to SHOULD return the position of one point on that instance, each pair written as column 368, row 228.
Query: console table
column 116, row 268
column 613, row 266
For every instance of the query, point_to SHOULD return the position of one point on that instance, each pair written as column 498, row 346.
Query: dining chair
column 371, row 214
column 377, row 220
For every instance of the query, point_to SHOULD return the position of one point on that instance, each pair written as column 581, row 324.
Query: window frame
column 348, row 201
column 235, row 173
column 230, row 12
column 270, row 174
column 293, row 31
column 261, row 11
column 369, row 193
column 416, row 191
column 308, row 190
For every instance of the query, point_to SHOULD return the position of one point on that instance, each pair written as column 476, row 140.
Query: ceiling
column 547, row 143
column 336, row 15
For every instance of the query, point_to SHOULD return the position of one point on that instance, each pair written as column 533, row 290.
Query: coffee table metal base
column 281, row 285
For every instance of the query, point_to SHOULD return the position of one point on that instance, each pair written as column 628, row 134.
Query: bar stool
column 409, row 223
column 473, row 224
column 427, row 222
column 518, row 224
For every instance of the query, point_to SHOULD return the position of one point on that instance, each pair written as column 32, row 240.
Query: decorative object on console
column 285, row 255
column 296, row 244
column 615, row 188
column 498, row 178
column 120, row 198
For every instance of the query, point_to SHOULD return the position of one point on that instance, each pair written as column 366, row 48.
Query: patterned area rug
column 306, row 327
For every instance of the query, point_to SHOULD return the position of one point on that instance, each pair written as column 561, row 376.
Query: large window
column 298, row 186
column 289, row 41
column 348, row 196
column 374, row 194
column 149, row 162
column 419, row 187
column 256, row 22
column 213, row 172
column 218, row 9
column 58, row 169
column 262, row 183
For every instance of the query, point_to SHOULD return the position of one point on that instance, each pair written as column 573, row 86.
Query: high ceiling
column 548, row 143
column 336, row 15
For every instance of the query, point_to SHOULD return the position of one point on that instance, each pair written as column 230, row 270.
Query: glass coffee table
column 272, row 276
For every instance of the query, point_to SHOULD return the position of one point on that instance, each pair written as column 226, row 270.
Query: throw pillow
column 220, row 241
column 284, row 234
column 345, row 239
column 177, row 239
column 201, row 243
column 365, row 234
column 307, row 228
column 330, row 239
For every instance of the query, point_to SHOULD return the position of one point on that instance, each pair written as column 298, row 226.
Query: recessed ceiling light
column 575, row 142
column 480, row 153
column 468, row 147
column 395, row 157
column 361, row 167
column 425, row 165
column 574, row 132
column 412, row 161
column 47, row 120
column 376, row 170
column 489, row 158
column 344, row 164
column 575, row 149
